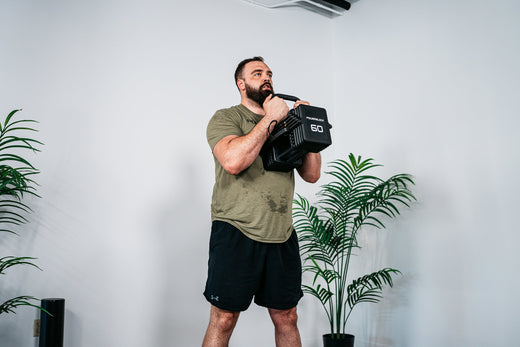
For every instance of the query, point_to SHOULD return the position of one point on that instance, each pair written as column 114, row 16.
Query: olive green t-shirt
column 256, row 201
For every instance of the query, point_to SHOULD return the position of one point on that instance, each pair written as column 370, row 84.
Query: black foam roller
column 51, row 327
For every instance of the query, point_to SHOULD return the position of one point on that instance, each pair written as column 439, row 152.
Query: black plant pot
column 344, row 340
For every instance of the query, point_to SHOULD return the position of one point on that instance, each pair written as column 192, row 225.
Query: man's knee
column 223, row 320
column 284, row 318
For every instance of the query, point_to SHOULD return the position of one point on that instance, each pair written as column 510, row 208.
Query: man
column 253, row 247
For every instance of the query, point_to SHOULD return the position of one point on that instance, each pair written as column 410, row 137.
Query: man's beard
column 259, row 95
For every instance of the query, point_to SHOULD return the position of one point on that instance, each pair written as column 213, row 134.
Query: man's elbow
column 312, row 178
column 232, row 168
column 232, row 171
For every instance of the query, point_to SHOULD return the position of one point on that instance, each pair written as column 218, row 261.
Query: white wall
column 123, row 91
column 432, row 88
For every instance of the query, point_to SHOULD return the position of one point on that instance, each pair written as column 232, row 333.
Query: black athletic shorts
column 240, row 268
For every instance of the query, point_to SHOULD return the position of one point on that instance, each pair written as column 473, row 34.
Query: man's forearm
column 237, row 153
column 310, row 170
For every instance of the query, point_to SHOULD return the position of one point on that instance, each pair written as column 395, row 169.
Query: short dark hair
column 240, row 67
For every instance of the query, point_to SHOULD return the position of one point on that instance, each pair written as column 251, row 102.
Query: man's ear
column 241, row 84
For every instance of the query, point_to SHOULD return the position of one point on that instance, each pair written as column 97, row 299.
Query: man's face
column 257, row 79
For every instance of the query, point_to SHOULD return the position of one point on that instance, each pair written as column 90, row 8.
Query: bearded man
column 254, row 249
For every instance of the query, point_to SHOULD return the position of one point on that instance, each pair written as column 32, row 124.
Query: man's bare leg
column 285, row 327
column 221, row 325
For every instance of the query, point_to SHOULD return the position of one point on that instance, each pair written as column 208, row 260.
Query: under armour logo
column 213, row 297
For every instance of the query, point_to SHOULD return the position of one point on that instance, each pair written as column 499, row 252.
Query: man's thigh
column 282, row 279
column 234, row 270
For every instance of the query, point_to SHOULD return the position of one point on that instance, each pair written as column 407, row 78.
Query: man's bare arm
column 310, row 170
column 237, row 153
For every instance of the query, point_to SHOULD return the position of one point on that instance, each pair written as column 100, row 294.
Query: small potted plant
column 328, row 234
column 16, row 181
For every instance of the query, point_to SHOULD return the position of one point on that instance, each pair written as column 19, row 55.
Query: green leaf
column 369, row 288
column 9, row 261
column 10, row 305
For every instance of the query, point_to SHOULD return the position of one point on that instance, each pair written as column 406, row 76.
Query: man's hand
column 237, row 153
column 275, row 108
column 300, row 102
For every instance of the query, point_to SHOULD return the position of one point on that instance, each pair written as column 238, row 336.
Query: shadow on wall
column 375, row 325
column 182, row 238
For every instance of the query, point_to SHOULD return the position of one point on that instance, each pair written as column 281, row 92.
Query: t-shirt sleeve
column 222, row 124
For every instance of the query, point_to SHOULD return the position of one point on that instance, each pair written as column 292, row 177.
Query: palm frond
column 9, row 261
column 382, row 201
column 313, row 234
column 9, row 305
column 369, row 288
column 325, row 274
column 16, row 172
column 13, row 205
column 321, row 293
column 9, row 142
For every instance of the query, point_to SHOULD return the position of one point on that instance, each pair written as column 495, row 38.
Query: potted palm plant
column 328, row 235
column 16, row 181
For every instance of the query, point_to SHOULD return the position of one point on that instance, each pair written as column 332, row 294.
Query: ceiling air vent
column 329, row 8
